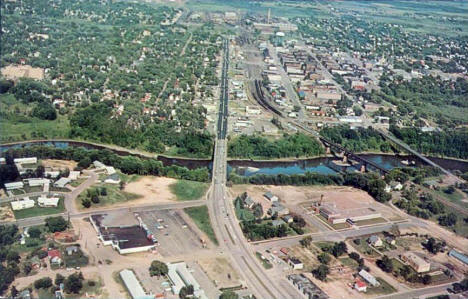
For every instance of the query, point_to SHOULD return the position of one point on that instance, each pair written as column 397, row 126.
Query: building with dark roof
column 125, row 238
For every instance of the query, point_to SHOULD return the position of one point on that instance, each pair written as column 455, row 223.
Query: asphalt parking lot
column 174, row 236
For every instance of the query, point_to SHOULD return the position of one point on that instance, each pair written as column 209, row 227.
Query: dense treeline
column 369, row 182
column 450, row 143
column 297, row 145
column 357, row 140
column 8, row 235
column 95, row 122
column 127, row 164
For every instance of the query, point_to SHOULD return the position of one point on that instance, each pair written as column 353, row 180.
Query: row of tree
column 127, row 164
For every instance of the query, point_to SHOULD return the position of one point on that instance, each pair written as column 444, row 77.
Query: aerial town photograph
column 234, row 149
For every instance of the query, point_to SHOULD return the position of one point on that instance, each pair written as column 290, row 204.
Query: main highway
column 223, row 217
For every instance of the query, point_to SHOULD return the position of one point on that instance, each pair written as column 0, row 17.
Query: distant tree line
column 357, row 140
column 449, row 143
column 127, row 164
column 296, row 145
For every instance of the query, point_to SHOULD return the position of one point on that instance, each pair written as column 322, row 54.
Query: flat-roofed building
column 133, row 285
column 122, row 231
column 14, row 185
column 369, row 278
column 33, row 182
column 62, row 182
column 29, row 160
column 26, row 203
column 180, row 277
column 416, row 262
column 48, row 202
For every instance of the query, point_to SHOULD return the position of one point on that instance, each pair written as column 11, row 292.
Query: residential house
column 278, row 209
column 271, row 197
column 390, row 240
column 249, row 203
column 14, row 186
column 113, row 179
column 375, row 241
column 71, row 250
column 416, row 262
column 360, row 285
column 48, row 202
column 62, row 182
column 288, row 218
column 369, row 278
column 55, row 257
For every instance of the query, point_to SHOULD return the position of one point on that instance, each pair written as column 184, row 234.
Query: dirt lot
column 344, row 197
column 59, row 164
column 218, row 269
column 21, row 71
column 6, row 214
column 152, row 189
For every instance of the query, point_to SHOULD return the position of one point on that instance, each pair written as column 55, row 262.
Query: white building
column 26, row 203
column 110, row 170
column 33, row 182
column 14, row 185
column 369, row 278
column 62, row 182
column 295, row 263
column 52, row 174
column 98, row 164
column 133, row 285
column 74, row 175
column 252, row 110
column 30, row 160
column 180, row 277
column 48, row 202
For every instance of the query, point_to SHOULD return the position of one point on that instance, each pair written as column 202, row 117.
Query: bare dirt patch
column 23, row 71
column 153, row 190
column 59, row 164
column 6, row 214
column 218, row 269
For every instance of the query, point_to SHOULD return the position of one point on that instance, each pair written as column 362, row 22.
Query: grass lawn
column 371, row 221
column 17, row 130
column 77, row 259
column 114, row 196
column 265, row 262
column 383, row 289
column 188, row 190
column 38, row 211
column 77, row 182
column 201, row 218
column 348, row 262
column 364, row 248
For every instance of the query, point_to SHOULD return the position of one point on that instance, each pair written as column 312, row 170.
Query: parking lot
column 174, row 235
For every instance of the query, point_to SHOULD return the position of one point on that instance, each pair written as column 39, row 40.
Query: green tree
column 306, row 241
column 228, row 295
column 34, row 232
column 321, row 272
column 74, row 283
column 56, row 224
column 324, row 258
column 43, row 283
column 385, row 263
column 158, row 268
column 59, row 278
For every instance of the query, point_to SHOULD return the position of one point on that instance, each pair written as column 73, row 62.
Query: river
column 322, row 165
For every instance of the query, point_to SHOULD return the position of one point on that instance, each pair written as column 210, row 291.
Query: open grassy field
column 38, row 211
column 188, row 190
column 383, row 289
column 201, row 217
column 114, row 196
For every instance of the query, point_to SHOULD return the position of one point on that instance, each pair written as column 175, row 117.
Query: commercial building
column 14, row 186
column 295, row 263
column 336, row 215
column 133, row 285
column 416, row 262
column 26, row 203
column 180, row 277
column 369, row 278
column 459, row 256
column 306, row 286
column 122, row 231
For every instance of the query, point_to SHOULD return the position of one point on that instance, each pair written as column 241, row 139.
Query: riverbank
column 191, row 163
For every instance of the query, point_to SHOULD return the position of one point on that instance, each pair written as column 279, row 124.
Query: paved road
column 436, row 290
column 223, row 217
